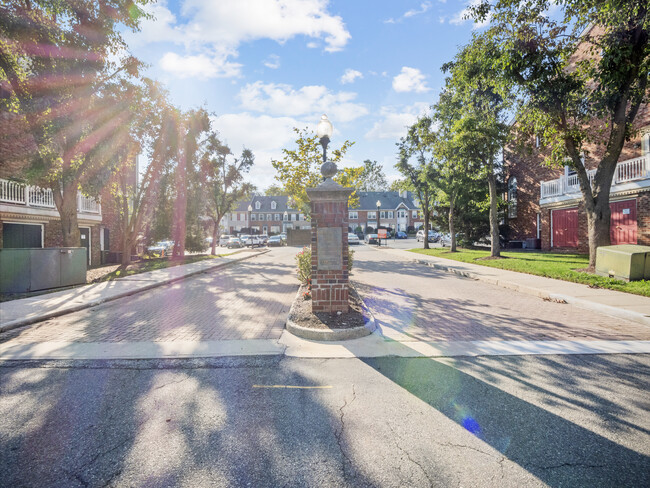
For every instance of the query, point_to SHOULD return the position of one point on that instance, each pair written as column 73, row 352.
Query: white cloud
column 393, row 121
column 221, row 26
column 199, row 66
column 424, row 6
column 272, row 61
column 462, row 16
column 410, row 80
column 262, row 134
column 350, row 75
column 309, row 101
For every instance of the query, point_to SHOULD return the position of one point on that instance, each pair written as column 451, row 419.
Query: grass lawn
column 558, row 266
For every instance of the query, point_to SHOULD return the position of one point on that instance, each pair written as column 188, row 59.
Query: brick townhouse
column 267, row 214
column 545, row 204
column 398, row 210
column 29, row 218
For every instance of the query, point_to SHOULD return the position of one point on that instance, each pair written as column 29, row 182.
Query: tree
column 189, row 128
column 299, row 169
column 224, row 183
column 373, row 177
column 480, row 106
column 418, row 145
column 274, row 190
column 133, row 196
column 563, row 97
column 400, row 185
column 56, row 72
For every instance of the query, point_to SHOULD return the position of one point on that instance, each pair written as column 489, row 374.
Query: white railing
column 12, row 192
column 34, row 196
column 40, row 197
column 630, row 170
column 87, row 204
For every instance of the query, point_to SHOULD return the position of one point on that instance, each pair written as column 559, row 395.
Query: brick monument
column 329, row 236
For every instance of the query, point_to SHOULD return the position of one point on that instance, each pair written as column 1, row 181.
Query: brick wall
column 53, row 234
column 643, row 219
column 329, row 288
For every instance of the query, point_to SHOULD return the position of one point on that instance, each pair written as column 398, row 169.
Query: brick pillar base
column 329, row 247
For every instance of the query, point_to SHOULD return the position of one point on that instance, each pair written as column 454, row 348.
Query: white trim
column 539, row 225
column 552, row 228
column 29, row 223
column 101, row 238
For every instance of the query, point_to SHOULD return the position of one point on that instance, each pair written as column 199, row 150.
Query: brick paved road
column 249, row 300
column 411, row 300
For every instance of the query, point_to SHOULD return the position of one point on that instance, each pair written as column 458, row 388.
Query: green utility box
column 625, row 262
column 32, row 269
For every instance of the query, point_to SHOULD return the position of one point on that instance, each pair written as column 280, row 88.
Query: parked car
column 432, row 237
column 264, row 237
column 223, row 240
column 445, row 240
column 371, row 239
column 353, row 238
column 401, row 235
column 284, row 236
column 275, row 241
column 252, row 241
column 234, row 242
column 161, row 247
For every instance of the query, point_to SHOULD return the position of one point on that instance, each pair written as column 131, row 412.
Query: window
column 389, row 214
column 353, row 215
column 512, row 197
column 286, row 216
column 645, row 144
column 253, row 216
column 277, row 216
column 269, row 217
column 415, row 214
column 258, row 205
column 302, row 217
column 274, row 205
column 372, row 215
column 261, row 216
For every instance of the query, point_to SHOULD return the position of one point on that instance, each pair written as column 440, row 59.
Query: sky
column 263, row 67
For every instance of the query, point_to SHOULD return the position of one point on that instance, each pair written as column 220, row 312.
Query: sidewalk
column 17, row 313
column 614, row 303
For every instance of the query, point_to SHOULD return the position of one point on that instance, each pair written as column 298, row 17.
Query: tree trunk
column 598, row 225
column 66, row 204
column 180, row 206
column 426, row 222
column 495, row 247
column 452, row 228
column 127, row 244
column 215, row 232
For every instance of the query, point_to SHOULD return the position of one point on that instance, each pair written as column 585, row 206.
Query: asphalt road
column 497, row 421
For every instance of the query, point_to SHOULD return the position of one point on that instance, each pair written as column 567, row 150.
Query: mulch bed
column 302, row 315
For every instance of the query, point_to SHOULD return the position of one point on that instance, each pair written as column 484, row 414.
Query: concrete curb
column 545, row 295
column 14, row 324
column 330, row 334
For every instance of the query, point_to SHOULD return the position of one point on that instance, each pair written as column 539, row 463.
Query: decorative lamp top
column 250, row 208
column 324, row 128
column 378, row 203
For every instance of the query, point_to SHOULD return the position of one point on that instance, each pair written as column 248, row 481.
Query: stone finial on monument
column 329, row 235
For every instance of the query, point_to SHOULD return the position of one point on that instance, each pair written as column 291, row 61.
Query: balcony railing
column 626, row 171
column 34, row 196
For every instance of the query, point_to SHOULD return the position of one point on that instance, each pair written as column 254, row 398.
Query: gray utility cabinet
column 627, row 262
column 23, row 270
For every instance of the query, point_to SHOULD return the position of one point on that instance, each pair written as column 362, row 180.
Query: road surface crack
column 338, row 433
column 408, row 455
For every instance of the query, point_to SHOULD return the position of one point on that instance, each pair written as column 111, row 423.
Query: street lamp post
column 286, row 219
column 324, row 131
column 250, row 225
column 378, row 222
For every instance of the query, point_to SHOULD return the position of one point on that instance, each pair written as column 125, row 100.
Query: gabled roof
column 282, row 203
column 390, row 200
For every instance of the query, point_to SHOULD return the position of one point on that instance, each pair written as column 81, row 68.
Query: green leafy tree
column 57, row 70
column 417, row 164
column 373, row 177
column 274, row 190
column 479, row 106
column 563, row 99
column 224, row 180
column 299, row 169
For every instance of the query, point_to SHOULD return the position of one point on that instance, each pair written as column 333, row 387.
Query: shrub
column 303, row 264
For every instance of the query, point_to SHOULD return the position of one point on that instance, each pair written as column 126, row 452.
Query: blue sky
column 265, row 66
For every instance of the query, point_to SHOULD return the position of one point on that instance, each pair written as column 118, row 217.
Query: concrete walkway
column 17, row 313
column 614, row 303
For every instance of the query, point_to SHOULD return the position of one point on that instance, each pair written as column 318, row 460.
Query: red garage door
column 565, row 227
column 622, row 228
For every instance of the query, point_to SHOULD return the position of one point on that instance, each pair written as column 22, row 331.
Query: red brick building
column 545, row 204
column 398, row 210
